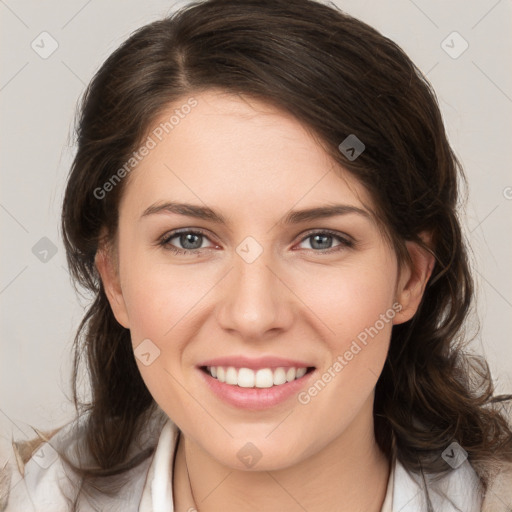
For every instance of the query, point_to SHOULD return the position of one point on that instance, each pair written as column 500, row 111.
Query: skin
column 253, row 164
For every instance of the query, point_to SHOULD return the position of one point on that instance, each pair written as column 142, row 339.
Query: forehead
column 241, row 153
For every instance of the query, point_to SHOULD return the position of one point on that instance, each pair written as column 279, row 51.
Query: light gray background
column 39, row 309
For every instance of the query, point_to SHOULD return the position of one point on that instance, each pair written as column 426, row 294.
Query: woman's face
column 268, row 287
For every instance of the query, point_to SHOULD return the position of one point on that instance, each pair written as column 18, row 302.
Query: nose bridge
column 253, row 302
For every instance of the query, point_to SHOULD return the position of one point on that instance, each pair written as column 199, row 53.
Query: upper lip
column 255, row 363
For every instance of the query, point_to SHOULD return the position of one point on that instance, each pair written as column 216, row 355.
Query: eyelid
column 328, row 231
column 169, row 235
column 346, row 240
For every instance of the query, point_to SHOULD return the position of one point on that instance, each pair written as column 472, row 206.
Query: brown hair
column 339, row 77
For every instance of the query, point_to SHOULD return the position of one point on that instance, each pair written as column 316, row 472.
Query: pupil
column 187, row 238
column 319, row 237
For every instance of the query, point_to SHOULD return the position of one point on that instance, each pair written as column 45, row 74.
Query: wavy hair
column 338, row 76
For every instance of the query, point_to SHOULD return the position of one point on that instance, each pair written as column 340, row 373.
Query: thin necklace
column 191, row 492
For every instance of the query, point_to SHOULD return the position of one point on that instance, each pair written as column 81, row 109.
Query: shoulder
column 31, row 469
column 35, row 477
column 498, row 495
column 453, row 491
column 460, row 489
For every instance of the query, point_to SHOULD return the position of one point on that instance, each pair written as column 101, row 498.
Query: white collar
column 157, row 491
column 458, row 490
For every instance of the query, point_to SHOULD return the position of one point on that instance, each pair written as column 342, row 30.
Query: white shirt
column 149, row 488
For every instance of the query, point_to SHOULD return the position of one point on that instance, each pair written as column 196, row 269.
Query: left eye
column 318, row 239
column 186, row 238
column 191, row 241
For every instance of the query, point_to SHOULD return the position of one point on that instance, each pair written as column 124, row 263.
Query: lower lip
column 255, row 398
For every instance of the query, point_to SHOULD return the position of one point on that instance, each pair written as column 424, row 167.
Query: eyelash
column 345, row 243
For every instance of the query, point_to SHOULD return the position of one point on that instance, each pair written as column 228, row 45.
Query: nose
column 255, row 301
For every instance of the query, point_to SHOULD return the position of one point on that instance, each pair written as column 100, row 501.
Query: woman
column 263, row 202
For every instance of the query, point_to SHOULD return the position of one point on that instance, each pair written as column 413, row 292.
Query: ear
column 413, row 279
column 108, row 268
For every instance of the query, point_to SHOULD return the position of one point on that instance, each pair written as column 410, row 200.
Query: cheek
column 358, row 312
column 160, row 303
column 351, row 299
column 159, row 296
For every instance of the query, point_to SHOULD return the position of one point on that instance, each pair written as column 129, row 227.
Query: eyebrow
column 293, row 217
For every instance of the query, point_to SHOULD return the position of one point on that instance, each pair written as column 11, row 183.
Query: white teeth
column 246, row 378
column 231, row 376
column 279, row 376
column 290, row 374
column 301, row 372
column 263, row 378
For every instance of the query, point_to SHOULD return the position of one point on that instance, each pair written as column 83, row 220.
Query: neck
column 349, row 474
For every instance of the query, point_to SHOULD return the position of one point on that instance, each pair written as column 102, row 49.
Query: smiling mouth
column 262, row 378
